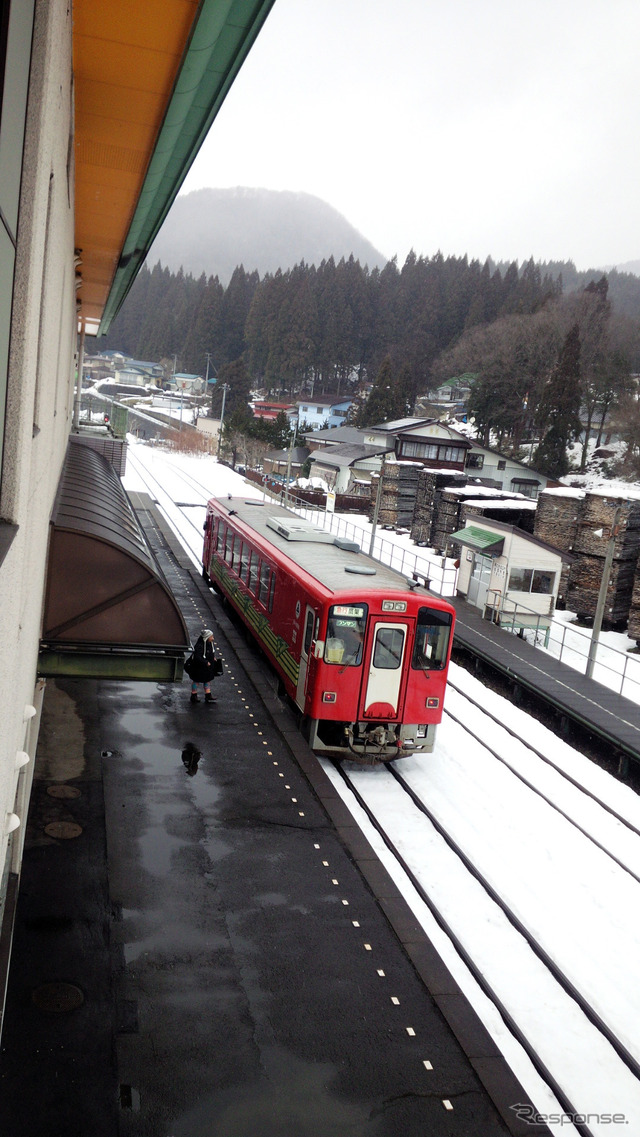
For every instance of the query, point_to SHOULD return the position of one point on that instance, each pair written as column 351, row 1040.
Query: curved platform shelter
column 108, row 612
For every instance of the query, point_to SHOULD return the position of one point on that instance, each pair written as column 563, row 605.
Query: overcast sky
column 490, row 127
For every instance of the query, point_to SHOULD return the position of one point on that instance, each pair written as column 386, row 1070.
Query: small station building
column 509, row 574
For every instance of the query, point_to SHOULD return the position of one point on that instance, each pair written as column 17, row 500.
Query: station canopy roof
column 108, row 611
column 149, row 79
column 482, row 540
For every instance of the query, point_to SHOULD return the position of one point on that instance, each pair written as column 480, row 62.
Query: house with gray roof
column 348, row 468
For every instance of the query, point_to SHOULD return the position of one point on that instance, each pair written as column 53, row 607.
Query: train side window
column 272, row 588
column 254, row 572
column 228, row 548
column 345, row 634
column 219, row 541
column 308, row 631
column 431, row 646
column 265, row 573
column 245, row 557
column 235, row 559
column 387, row 652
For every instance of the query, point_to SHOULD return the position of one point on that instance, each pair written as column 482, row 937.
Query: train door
column 480, row 580
column 305, row 648
column 383, row 686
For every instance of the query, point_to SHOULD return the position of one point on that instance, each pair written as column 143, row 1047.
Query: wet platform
column 242, row 964
column 600, row 710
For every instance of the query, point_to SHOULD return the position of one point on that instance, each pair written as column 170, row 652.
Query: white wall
column 40, row 388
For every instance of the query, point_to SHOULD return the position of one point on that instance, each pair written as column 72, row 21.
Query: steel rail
column 544, row 758
column 570, row 989
column 487, row 989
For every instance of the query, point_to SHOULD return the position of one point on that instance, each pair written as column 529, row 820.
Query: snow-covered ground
column 582, row 905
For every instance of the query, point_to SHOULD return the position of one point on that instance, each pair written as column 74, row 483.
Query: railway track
column 581, row 806
column 494, row 942
column 180, row 515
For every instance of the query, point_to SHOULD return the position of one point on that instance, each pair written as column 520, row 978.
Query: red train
column 362, row 651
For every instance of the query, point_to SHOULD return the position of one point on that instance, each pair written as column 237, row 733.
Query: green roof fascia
column 152, row 667
column 221, row 39
column 476, row 538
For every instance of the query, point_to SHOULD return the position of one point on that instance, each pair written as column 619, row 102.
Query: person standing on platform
column 203, row 667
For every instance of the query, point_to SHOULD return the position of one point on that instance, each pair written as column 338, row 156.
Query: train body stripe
column 274, row 644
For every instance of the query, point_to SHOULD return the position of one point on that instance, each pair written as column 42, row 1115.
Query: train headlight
column 394, row 605
column 432, row 702
column 422, row 730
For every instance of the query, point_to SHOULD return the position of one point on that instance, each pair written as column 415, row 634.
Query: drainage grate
column 57, row 998
column 63, row 830
column 63, row 791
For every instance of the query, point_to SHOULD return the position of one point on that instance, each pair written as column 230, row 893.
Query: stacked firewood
column 399, row 486
column 633, row 628
column 581, row 523
column 430, row 525
column 556, row 522
column 598, row 516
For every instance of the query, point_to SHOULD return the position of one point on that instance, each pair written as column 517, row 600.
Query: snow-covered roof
column 565, row 491
column 401, row 424
column 518, row 502
column 345, row 455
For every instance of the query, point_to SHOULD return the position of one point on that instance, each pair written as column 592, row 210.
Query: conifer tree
column 559, row 410
column 386, row 401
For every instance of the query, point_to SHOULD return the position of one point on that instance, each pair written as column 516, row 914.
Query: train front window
column 431, row 647
column 345, row 634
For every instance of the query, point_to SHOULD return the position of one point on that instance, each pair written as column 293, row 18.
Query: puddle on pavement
column 60, row 755
column 171, row 942
column 292, row 1099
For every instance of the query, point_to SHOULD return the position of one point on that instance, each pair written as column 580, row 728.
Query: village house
column 329, row 410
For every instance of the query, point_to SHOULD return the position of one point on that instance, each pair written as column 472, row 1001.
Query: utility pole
column 289, row 457
column 376, row 509
column 225, row 388
column 602, row 595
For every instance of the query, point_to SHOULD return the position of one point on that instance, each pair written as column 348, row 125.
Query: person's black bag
column 217, row 667
column 189, row 665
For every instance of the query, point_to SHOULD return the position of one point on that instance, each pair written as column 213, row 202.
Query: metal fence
column 569, row 644
column 438, row 574
column 615, row 669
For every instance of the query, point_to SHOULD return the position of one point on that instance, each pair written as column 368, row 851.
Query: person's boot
column 194, row 697
column 209, row 698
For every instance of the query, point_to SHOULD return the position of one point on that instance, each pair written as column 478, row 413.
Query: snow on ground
column 582, row 905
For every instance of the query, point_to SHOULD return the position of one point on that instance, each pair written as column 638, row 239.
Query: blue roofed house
column 321, row 410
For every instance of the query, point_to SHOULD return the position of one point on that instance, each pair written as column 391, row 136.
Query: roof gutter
column 222, row 36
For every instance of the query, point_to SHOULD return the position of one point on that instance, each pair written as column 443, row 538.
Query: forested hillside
column 544, row 363
column 330, row 324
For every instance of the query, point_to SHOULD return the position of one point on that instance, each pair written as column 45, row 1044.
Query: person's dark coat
column 203, row 660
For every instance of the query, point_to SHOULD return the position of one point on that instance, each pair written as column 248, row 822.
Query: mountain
column 629, row 266
column 214, row 230
column 624, row 285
